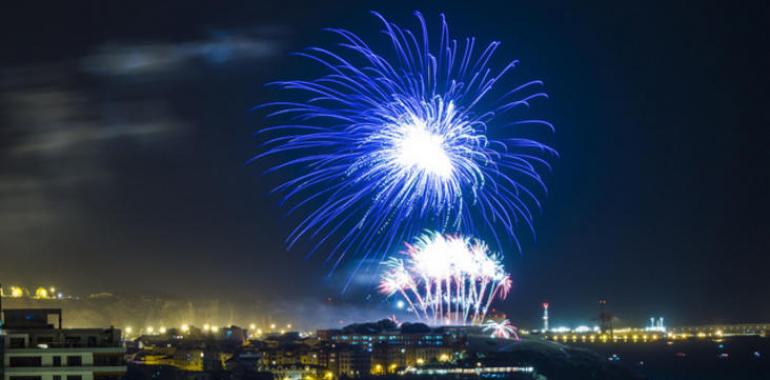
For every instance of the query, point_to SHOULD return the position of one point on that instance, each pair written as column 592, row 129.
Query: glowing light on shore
column 17, row 292
column 41, row 293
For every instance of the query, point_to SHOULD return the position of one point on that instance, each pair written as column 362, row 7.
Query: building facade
column 33, row 348
column 386, row 351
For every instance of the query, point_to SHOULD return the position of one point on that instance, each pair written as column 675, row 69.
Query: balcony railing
column 67, row 345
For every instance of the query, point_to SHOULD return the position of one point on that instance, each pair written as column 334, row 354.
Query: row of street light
column 207, row 328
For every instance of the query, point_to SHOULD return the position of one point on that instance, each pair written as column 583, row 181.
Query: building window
column 25, row 378
column 72, row 341
column 56, row 377
column 16, row 343
column 74, row 361
column 57, row 362
column 25, row 361
column 74, row 377
column 44, row 339
column 108, row 360
column 107, row 377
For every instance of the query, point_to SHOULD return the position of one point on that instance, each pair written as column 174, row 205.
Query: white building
column 34, row 349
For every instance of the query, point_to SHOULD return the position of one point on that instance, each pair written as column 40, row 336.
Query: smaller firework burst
column 501, row 330
column 450, row 280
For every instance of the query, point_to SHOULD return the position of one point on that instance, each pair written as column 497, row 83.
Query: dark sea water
column 697, row 359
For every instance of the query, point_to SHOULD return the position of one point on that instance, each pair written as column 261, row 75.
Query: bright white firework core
column 418, row 148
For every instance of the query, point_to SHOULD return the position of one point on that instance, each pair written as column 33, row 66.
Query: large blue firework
column 428, row 135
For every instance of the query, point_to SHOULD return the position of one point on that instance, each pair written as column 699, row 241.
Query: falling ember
column 450, row 280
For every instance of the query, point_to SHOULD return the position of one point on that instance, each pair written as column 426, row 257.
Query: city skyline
column 156, row 311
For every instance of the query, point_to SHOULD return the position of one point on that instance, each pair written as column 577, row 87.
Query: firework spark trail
column 446, row 279
column 383, row 148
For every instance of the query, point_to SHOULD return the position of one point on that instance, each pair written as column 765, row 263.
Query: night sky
column 126, row 127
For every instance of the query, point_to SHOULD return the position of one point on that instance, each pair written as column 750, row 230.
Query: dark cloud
column 74, row 131
column 169, row 57
column 61, row 137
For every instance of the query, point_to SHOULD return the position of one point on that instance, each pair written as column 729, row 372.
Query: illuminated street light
column 185, row 328
column 41, row 293
column 17, row 292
